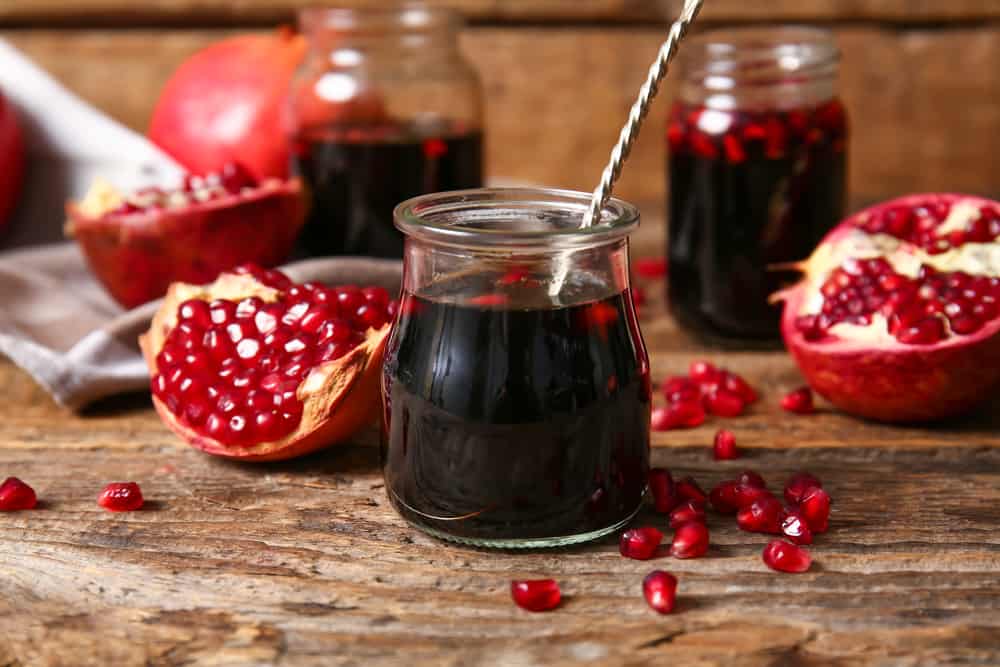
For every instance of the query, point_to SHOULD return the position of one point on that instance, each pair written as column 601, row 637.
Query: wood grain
column 221, row 12
column 922, row 101
column 305, row 563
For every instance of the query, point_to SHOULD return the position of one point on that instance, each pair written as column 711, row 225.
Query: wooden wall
column 921, row 78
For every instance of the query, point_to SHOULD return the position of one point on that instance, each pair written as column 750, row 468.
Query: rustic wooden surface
column 305, row 563
column 922, row 100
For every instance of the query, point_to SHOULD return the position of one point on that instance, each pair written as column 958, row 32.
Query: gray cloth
column 58, row 324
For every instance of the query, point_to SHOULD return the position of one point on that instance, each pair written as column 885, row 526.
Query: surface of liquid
column 761, row 191
column 358, row 176
column 509, row 422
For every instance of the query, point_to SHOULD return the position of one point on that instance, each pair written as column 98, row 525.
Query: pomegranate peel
column 338, row 397
column 138, row 244
column 897, row 317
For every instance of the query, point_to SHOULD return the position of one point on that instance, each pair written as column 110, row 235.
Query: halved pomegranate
column 254, row 367
column 139, row 244
column 898, row 315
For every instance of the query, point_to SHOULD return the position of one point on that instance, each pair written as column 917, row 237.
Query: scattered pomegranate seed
column 724, row 403
column 690, row 540
column 785, row 557
column 651, row 267
column 536, row 594
column 799, row 401
column 703, row 371
column 661, row 485
column 688, row 511
column 749, row 493
column 640, row 543
column 660, row 590
column 723, row 497
column 16, row 495
column 679, row 389
column 724, row 447
column 121, row 497
column 761, row 516
column 815, row 509
column 735, row 384
column 688, row 489
column 751, row 478
column 677, row 415
column 797, row 486
column 795, row 528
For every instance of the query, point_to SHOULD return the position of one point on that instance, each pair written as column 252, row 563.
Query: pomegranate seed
column 690, row 540
column 702, row 371
column 661, row 484
column 640, row 543
column 737, row 385
column 799, row 401
column 761, row 516
column 785, row 557
column 751, row 478
column 815, row 509
column 924, row 332
column 735, row 153
column 795, row 528
column 679, row 389
column 686, row 512
column 651, row 267
column 724, row 497
column 234, row 177
column 16, row 495
column 121, row 497
column 798, row 484
column 724, row 447
column 724, row 404
column 677, row 415
column 747, row 493
column 660, row 590
column 536, row 595
column 688, row 489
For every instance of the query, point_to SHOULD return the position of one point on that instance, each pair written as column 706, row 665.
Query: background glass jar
column 756, row 168
column 515, row 418
column 383, row 108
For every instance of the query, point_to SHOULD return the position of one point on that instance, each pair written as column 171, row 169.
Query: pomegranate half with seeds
column 898, row 315
column 254, row 367
column 139, row 244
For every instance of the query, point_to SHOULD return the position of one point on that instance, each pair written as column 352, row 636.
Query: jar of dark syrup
column 516, row 383
column 756, row 168
column 383, row 108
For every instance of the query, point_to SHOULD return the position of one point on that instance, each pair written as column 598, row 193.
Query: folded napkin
column 57, row 323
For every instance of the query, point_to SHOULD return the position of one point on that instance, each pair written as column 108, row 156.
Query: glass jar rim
column 755, row 51
column 404, row 16
column 445, row 218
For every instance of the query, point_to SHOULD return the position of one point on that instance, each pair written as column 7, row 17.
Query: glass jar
column 516, row 383
column 383, row 108
column 756, row 169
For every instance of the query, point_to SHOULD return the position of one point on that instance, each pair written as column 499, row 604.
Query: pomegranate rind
column 339, row 398
column 883, row 379
column 137, row 256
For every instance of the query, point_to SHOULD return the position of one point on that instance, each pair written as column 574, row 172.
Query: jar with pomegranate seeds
column 756, row 170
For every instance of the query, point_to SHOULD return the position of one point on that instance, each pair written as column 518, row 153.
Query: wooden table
column 305, row 562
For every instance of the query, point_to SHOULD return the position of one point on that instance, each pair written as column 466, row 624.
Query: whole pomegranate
column 11, row 161
column 138, row 244
column 254, row 367
column 226, row 104
column 898, row 315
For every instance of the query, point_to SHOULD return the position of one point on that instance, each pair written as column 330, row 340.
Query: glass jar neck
column 500, row 233
column 760, row 69
column 411, row 28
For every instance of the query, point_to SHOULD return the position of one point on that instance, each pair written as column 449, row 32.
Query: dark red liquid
column 510, row 421
column 357, row 176
column 747, row 191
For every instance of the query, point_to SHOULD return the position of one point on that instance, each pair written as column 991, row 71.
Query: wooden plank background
column 921, row 78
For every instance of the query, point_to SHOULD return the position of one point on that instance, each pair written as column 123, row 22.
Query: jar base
column 407, row 515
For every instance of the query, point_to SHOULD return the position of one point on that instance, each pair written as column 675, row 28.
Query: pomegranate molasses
column 357, row 176
column 517, row 405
